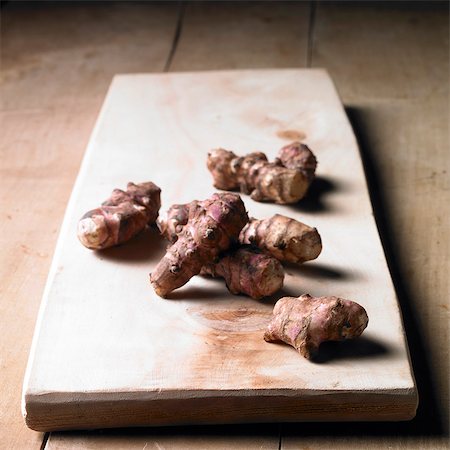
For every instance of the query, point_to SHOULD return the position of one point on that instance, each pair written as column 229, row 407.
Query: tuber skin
column 248, row 271
column 286, row 239
column 253, row 174
column 298, row 156
column 121, row 217
column 284, row 181
column 213, row 226
column 176, row 218
column 305, row 322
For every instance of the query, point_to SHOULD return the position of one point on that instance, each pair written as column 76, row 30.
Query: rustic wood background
column 390, row 63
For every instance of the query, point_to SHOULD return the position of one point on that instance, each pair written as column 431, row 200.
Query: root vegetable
column 283, row 181
column 284, row 238
column 212, row 226
column 121, row 217
column 177, row 216
column 305, row 322
column 248, row 271
column 298, row 156
column 253, row 174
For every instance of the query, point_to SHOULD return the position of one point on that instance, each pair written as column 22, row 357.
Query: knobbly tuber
column 298, row 156
column 212, row 226
column 284, row 238
column 253, row 174
column 248, row 271
column 305, row 322
column 284, row 181
column 121, row 217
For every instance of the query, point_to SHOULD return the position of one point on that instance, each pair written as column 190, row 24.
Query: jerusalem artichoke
column 176, row 218
column 212, row 226
column 298, row 156
column 120, row 217
column 253, row 174
column 248, row 271
column 305, row 322
column 284, row 238
column 286, row 180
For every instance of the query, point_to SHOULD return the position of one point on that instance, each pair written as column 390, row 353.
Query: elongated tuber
column 298, row 156
column 121, row 217
column 212, row 226
column 248, row 271
column 285, row 180
column 284, row 238
column 305, row 322
column 253, row 174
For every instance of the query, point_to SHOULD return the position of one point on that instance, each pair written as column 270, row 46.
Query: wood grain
column 230, row 35
column 45, row 125
column 181, row 438
column 104, row 352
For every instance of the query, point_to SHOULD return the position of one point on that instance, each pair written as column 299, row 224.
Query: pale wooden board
column 109, row 352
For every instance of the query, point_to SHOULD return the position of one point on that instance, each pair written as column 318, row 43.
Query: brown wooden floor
column 390, row 64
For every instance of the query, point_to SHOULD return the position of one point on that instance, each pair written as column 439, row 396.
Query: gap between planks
column 176, row 38
column 311, row 23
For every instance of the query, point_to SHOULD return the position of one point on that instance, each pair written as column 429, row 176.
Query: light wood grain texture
column 187, row 438
column 230, row 35
column 109, row 352
column 56, row 64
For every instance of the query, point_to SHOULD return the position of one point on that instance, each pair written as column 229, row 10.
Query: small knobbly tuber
column 248, row 271
column 253, row 174
column 213, row 226
column 305, row 322
column 121, row 217
column 283, row 181
column 299, row 156
column 286, row 239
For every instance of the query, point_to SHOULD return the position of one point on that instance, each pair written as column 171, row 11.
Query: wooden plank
column 57, row 63
column 394, row 77
column 192, row 438
column 230, row 35
column 225, row 372
column 369, row 442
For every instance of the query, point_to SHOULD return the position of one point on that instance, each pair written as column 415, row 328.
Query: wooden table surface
column 390, row 64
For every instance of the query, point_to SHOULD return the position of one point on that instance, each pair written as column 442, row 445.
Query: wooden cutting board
column 107, row 352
